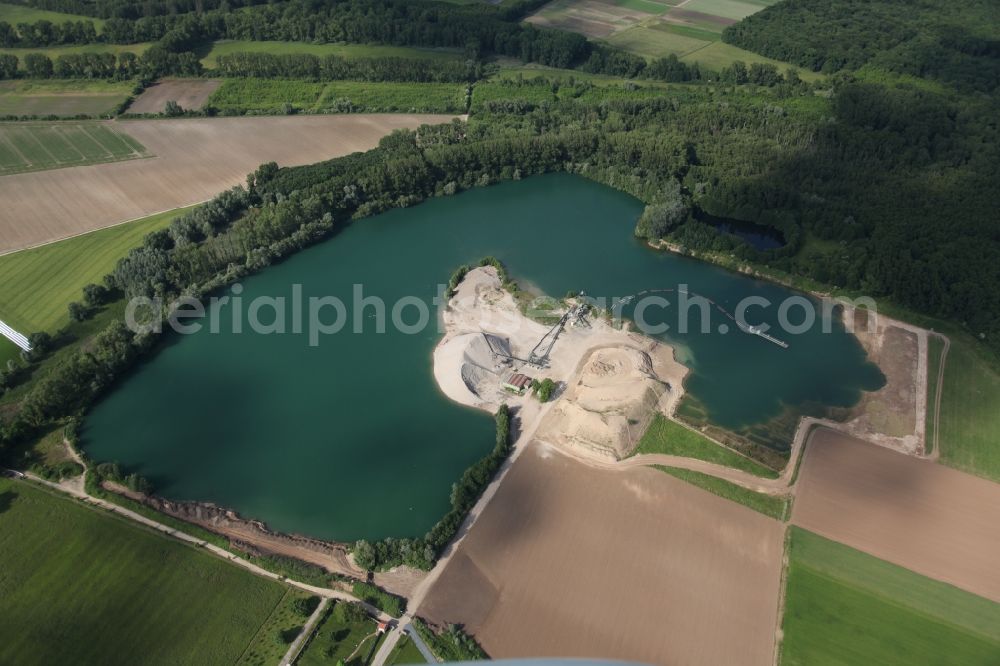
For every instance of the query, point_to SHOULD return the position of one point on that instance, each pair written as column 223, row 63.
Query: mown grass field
column 653, row 43
column 717, row 55
column 845, row 607
column 225, row 47
column 405, row 652
column 969, row 426
column 54, row 52
column 8, row 351
column 340, row 636
column 730, row 9
column 769, row 505
column 56, row 97
column 671, row 438
column 79, row 586
column 15, row 14
column 41, row 146
column 37, row 285
column 237, row 96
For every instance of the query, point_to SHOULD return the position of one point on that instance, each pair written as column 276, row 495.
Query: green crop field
column 271, row 95
column 645, row 6
column 671, row 438
column 345, row 634
column 717, row 55
column 769, row 505
column 54, row 52
column 79, row 586
column 42, row 146
column 729, row 9
column 845, row 607
column 225, row 47
column 56, row 97
column 969, row 426
column 654, row 43
column 36, row 285
column 15, row 14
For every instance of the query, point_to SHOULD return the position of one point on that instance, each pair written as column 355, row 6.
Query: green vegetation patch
column 226, row 47
column 36, row 285
column 270, row 96
column 345, row 635
column 845, row 607
column 392, row 97
column 15, row 14
column 669, row 437
column 379, row 598
column 450, row 645
column 769, row 505
column 78, row 586
column 42, row 146
column 969, row 426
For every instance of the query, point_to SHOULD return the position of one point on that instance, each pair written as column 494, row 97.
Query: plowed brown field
column 572, row 561
column 195, row 159
column 920, row 515
column 190, row 94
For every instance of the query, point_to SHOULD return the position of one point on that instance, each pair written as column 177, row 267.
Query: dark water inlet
column 758, row 236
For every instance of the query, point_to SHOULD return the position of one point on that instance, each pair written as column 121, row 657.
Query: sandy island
column 611, row 382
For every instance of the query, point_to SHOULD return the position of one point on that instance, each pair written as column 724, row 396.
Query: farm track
column 195, row 159
column 939, row 390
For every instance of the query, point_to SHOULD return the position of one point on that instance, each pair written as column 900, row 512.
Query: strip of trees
column 151, row 64
column 337, row 68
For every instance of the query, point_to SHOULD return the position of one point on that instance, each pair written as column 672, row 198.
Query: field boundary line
column 295, row 649
column 110, row 226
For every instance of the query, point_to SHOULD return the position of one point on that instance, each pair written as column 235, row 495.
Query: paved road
column 411, row 631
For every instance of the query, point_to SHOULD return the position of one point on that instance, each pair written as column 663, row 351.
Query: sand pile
column 608, row 407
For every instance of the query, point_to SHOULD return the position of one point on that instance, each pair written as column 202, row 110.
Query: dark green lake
column 351, row 438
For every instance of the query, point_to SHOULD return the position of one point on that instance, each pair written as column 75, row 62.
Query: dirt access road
column 195, row 159
column 931, row 519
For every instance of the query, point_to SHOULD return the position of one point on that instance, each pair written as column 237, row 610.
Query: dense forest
column 956, row 42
